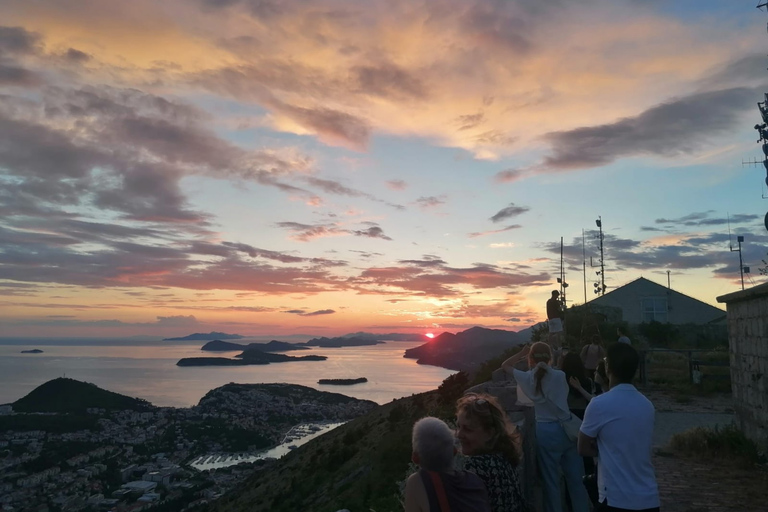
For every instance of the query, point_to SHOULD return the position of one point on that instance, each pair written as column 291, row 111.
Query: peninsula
column 342, row 382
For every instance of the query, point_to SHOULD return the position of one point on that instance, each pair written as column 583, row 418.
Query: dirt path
column 687, row 485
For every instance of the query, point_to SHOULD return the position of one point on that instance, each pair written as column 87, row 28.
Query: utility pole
column 584, row 264
column 600, row 286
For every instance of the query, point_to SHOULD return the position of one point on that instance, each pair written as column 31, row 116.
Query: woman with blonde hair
column 491, row 447
column 555, row 450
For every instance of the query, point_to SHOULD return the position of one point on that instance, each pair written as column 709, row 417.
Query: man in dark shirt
column 555, row 320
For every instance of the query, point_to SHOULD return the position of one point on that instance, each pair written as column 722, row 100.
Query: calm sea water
column 148, row 369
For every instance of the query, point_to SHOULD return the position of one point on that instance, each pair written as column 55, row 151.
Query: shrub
column 726, row 443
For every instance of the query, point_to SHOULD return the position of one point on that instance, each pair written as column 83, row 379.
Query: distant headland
column 200, row 336
column 33, row 351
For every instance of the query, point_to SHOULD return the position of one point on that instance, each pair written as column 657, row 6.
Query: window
column 654, row 309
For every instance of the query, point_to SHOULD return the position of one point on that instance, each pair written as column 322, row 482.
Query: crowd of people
column 586, row 410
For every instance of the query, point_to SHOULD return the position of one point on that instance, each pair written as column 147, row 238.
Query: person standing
column 618, row 430
column 622, row 334
column 555, row 319
column 555, row 451
column 591, row 355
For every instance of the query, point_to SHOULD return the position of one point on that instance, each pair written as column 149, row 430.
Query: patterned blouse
column 501, row 480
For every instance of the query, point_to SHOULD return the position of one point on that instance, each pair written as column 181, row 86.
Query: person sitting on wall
column 437, row 485
column 555, row 317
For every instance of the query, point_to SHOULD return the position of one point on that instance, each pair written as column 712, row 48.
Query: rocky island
column 33, row 351
column 272, row 346
column 255, row 357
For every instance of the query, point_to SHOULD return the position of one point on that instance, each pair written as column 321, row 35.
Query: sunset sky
column 326, row 166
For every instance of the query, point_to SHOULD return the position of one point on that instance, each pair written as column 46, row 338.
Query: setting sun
column 430, row 335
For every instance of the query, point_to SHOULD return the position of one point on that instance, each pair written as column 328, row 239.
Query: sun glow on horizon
column 430, row 335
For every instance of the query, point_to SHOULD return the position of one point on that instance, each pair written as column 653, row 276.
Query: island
column 200, row 336
column 256, row 357
column 33, row 351
column 343, row 382
column 272, row 346
column 341, row 342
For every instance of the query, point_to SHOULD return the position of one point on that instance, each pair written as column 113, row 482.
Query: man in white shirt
column 618, row 429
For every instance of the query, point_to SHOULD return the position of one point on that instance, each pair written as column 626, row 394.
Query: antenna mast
column 739, row 239
column 600, row 285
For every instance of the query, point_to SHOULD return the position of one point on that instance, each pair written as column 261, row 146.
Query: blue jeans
column 555, row 452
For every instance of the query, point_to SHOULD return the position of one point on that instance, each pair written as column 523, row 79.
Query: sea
column 147, row 369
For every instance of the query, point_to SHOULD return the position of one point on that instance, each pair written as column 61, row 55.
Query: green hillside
column 357, row 466
column 68, row 395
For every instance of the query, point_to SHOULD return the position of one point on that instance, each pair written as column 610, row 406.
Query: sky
column 325, row 166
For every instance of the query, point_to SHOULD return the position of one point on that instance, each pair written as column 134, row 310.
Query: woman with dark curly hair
column 491, row 446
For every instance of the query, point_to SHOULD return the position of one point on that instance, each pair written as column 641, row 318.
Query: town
column 130, row 460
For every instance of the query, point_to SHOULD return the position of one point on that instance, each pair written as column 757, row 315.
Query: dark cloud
column 372, row 232
column 17, row 40
column 331, row 125
column 704, row 219
column 389, row 81
column 11, row 75
column 681, row 126
column 431, row 278
column 307, row 232
column 470, row 121
column 73, row 55
column 510, row 211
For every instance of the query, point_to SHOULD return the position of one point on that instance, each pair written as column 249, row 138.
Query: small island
column 343, row 382
column 33, row 351
column 254, row 358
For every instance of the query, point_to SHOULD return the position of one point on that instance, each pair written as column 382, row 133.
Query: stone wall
column 748, row 342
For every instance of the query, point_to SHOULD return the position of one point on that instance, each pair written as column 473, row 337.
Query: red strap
column 440, row 491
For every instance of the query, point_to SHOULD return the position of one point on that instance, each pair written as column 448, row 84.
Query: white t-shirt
column 553, row 386
column 622, row 421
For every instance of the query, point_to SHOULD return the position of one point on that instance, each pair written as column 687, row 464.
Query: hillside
column 357, row 466
column 68, row 395
column 466, row 350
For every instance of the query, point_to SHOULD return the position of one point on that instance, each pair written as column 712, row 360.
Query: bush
column 727, row 443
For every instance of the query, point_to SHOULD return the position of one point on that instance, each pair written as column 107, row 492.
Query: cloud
column 18, row 40
column 431, row 201
column 301, row 312
column 494, row 231
column 704, row 219
column 680, row 126
column 508, row 175
column 510, row 211
column 307, row 232
column 372, row 232
column 501, row 245
column 397, row 184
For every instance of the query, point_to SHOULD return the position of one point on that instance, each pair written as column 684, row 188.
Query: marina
column 295, row 437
